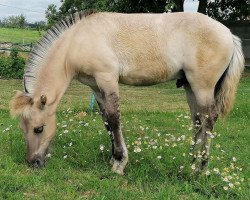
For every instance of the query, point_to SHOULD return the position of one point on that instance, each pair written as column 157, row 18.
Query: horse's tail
column 227, row 85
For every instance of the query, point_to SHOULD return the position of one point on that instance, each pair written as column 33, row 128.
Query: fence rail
column 8, row 46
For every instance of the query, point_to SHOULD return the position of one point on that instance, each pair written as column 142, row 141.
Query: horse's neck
column 54, row 78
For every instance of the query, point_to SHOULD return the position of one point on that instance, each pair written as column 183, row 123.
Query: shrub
column 12, row 66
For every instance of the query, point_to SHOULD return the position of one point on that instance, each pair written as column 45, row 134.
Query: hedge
column 12, row 66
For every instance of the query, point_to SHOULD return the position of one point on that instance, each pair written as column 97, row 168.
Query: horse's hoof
column 119, row 165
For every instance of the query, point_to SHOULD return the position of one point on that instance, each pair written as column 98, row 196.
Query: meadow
column 19, row 35
column 158, row 133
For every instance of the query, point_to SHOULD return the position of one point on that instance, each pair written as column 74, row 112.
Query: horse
column 104, row 49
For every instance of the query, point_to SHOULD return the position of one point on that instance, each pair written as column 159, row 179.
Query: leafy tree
column 218, row 9
column 202, row 8
column 229, row 9
column 138, row 6
column 18, row 21
column 52, row 15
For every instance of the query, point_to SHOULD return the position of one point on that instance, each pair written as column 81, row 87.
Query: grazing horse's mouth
column 37, row 162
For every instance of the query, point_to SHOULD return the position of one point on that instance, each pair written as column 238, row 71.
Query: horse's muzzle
column 36, row 162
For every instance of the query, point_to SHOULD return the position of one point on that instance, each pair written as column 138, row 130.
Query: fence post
column 92, row 102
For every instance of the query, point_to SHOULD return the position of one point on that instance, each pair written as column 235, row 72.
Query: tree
column 18, row 21
column 229, row 9
column 202, row 8
column 217, row 9
column 71, row 6
column 51, row 15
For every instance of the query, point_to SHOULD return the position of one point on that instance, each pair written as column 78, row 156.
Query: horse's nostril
column 37, row 163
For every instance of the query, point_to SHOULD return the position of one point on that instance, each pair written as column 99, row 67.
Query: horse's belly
column 145, row 76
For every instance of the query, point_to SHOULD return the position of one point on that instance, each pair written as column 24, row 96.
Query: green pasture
column 19, row 35
column 156, row 126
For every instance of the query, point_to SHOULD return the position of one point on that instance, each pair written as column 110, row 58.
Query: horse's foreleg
column 109, row 106
column 101, row 106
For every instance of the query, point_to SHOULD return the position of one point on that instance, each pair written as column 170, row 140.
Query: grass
column 19, row 35
column 155, row 121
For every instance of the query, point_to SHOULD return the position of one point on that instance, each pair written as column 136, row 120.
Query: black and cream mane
column 41, row 48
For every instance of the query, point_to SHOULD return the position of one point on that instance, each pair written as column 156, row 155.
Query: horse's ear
column 43, row 100
column 19, row 104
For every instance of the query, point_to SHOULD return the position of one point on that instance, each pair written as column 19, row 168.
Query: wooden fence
column 8, row 46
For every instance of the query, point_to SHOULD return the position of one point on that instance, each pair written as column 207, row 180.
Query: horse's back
column 152, row 48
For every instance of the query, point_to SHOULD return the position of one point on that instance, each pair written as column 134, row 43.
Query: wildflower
column 174, row 145
column 102, row 147
column 207, row 173
column 234, row 159
column 137, row 149
column 231, row 185
column 159, row 157
column 66, row 131
column 86, row 124
column 237, row 183
column 141, row 128
column 70, row 144
column 64, row 125
column 225, row 179
column 181, row 167
column 48, row 155
column 216, row 170
column 183, row 137
column 193, row 166
column 64, row 157
column 225, row 188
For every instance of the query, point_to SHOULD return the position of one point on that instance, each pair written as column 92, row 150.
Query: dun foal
column 103, row 49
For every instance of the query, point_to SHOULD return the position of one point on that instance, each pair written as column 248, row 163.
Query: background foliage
column 12, row 66
column 219, row 9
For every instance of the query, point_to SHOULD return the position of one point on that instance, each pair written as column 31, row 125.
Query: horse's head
column 38, row 125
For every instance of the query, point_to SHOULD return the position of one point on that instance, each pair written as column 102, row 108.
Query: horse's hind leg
column 204, row 116
column 109, row 105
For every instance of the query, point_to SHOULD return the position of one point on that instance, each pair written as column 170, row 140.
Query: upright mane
column 42, row 47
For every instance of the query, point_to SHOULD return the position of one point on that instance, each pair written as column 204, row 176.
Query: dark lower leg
column 202, row 139
column 112, row 115
column 108, row 128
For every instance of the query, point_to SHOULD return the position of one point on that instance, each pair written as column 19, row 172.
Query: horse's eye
column 38, row 130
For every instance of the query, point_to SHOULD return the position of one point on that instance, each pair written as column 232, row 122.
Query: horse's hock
column 242, row 29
